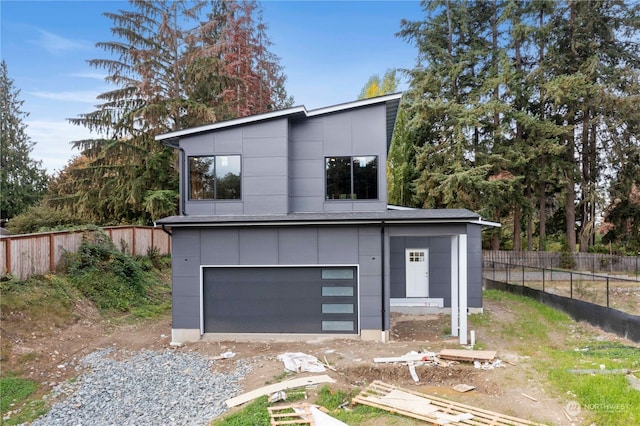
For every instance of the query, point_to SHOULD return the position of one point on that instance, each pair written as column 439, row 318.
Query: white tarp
column 298, row 362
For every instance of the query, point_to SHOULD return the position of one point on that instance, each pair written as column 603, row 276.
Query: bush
column 110, row 278
column 41, row 218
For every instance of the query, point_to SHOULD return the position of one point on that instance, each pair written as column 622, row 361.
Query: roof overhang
column 392, row 102
column 406, row 217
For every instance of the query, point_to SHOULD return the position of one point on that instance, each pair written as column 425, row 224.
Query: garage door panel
column 278, row 300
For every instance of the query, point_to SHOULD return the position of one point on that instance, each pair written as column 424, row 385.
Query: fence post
column 571, row 285
column 607, row 292
column 543, row 280
column 522, row 275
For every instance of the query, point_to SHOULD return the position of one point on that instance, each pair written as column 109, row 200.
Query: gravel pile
column 147, row 388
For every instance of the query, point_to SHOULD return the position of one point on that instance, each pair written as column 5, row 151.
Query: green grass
column 14, row 390
column 254, row 414
column 608, row 398
column 533, row 320
column 48, row 302
column 14, row 396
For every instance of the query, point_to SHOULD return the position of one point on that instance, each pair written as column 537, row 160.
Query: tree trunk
column 542, row 216
column 530, row 221
column 517, row 218
column 570, row 197
column 495, row 239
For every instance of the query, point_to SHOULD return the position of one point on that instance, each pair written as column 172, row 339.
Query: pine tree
column 172, row 69
column 23, row 180
column 593, row 67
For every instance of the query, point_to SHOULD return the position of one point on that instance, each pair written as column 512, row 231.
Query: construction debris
column 601, row 371
column 408, row 357
column 270, row 389
column 488, row 365
column 466, row 355
column 462, row 388
column 225, row 355
column 430, row 408
column 412, row 371
column 298, row 362
column 301, row 414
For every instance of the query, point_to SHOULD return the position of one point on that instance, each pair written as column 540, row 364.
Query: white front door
column 417, row 269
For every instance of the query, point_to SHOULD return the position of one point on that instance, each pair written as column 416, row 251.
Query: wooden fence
column 593, row 262
column 34, row 254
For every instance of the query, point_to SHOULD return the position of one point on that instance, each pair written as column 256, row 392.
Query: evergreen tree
column 377, row 86
column 452, row 108
column 174, row 64
column 593, row 66
column 23, row 180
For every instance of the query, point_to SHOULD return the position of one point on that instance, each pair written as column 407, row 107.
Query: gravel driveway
column 145, row 388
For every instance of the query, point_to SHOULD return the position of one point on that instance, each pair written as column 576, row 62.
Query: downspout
column 164, row 228
column 382, row 272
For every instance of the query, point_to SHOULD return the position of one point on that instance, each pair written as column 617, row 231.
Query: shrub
column 110, row 278
column 41, row 218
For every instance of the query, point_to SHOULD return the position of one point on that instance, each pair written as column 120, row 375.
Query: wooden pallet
column 431, row 409
column 297, row 414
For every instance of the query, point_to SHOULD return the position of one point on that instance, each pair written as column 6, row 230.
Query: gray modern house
column 284, row 228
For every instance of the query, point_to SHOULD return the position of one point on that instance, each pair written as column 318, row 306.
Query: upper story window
column 214, row 177
column 351, row 178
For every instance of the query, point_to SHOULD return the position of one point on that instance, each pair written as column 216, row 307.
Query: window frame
column 214, row 158
column 352, row 195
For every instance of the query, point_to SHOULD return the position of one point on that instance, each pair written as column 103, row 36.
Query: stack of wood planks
column 432, row 409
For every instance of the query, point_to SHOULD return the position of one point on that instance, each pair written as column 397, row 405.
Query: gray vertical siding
column 349, row 133
column 439, row 260
column 264, row 150
column 308, row 245
column 185, row 270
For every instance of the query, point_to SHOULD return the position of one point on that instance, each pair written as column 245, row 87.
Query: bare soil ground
column 47, row 354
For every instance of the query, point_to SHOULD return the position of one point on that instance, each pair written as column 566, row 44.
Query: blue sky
column 328, row 49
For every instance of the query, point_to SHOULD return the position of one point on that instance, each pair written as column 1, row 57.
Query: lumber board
column 405, row 358
column 287, row 384
column 373, row 394
column 466, row 355
column 287, row 415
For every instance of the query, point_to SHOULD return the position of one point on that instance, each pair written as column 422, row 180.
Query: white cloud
column 53, row 142
column 56, row 44
column 83, row 96
column 89, row 75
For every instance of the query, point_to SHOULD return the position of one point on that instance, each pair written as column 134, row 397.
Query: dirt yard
column 48, row 354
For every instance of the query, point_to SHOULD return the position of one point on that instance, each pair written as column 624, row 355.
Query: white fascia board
column 234, row 122
column 355, row 104
column 483, row 222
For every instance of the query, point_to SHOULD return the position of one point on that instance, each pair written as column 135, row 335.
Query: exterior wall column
column 459, row 287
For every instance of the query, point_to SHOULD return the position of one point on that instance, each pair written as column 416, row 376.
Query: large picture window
column 351, row 178
column 214, row 177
